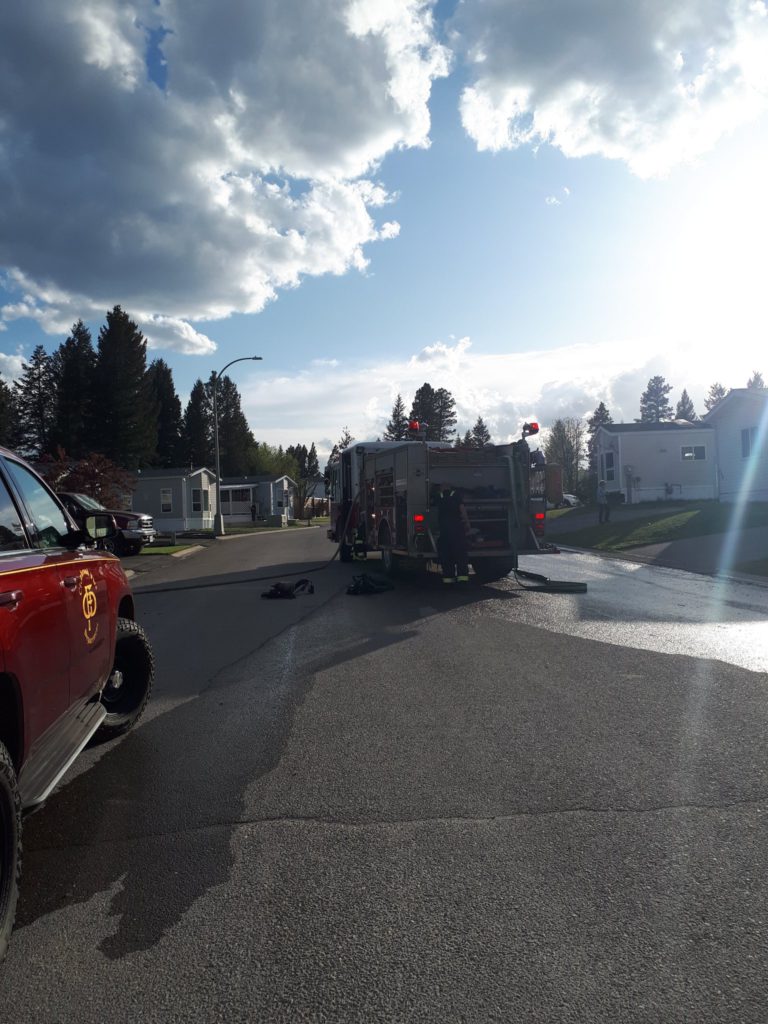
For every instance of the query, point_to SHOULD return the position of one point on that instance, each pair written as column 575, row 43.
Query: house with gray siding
column 272, row 496
column 177, row 499
column 723, row 456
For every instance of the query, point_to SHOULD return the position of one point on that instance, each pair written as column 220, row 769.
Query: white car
column 569, row 501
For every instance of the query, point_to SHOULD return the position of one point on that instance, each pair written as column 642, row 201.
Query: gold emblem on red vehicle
column 90, row 605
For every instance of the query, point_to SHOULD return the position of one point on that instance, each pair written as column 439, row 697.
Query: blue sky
column 538, row 207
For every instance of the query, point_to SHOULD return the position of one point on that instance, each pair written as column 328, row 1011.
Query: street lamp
column 218, row 519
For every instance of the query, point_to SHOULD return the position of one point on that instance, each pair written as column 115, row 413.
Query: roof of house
column 667, row 426
column 246, row 481
column 752, row 395
column 175, row 471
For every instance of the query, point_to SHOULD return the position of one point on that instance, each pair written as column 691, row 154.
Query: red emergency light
column 530, row 428
column 414, row 426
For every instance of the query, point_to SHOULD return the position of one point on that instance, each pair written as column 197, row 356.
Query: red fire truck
column 383, row 498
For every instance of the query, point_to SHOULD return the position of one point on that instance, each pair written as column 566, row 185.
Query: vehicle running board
column 539, row 582
column 42, row 773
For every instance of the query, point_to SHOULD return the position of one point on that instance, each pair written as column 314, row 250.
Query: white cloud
column 505, row 389
column 10, row 366
column 552, row 201
column 653, row 83
column 247, row 174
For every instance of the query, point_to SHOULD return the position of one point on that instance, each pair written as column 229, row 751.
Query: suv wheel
column 10, row 848
column 127, row 691
column 114, row 545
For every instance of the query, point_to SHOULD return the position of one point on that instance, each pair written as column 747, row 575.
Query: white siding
column 738, row 474
column 650, row 465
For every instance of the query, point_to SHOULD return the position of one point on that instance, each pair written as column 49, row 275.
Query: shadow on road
column 152, row 820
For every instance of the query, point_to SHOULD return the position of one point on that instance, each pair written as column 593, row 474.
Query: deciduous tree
column 565, row 446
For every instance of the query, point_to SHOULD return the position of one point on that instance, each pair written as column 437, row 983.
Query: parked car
column 73, row 661
column 134, row 529
column 569, row 501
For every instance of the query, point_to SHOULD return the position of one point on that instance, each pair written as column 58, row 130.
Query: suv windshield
column 90, row 503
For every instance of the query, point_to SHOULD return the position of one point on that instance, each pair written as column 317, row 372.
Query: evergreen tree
column 164, row 397
column 466, row 441
column 8, row 416
column 599, row 417
column 654, row 404
column 685, row 410
column 397, row 427
column 197, row 428
column 565, row 446
column 236, row 442
column 35, row 403
column 756, row 381
column 313, row 466
column 124, row 411
column 443, row 426
column 716, row 394
column 423, row 408
column 481, row 435
column 73, row 366
column 344, row 441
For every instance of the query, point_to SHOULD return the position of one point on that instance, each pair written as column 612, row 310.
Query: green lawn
column 659, row 525
column 164, row 549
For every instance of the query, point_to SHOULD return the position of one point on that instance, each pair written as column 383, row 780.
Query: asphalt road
column 426, row 805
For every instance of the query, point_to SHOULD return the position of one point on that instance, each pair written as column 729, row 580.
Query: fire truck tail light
column 418, row 518
column 538, row 515
column 418, row 522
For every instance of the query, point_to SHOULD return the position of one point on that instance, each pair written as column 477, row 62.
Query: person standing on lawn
column 603, row 508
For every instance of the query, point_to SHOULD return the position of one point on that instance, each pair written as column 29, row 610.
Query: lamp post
column 218, row 519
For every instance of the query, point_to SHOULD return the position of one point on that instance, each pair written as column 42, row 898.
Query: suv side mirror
column 100, row 526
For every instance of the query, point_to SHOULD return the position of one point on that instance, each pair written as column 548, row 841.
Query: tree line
column 84, row 400
column 435, row 407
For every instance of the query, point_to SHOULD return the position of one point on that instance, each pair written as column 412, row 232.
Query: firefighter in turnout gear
column 453, row 524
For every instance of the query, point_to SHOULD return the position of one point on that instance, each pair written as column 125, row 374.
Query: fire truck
column 383, row 497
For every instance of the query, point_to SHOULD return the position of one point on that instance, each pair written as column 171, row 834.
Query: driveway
column 713, row 554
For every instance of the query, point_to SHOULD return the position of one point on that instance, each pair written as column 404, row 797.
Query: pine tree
column 35, row 402
column 756, row 381
column 8, row 416
column 73, row 366
column 600, row 417
column 443, row 426
column 197, row 428
column 236, row 442
column 654, row 404
column 716, row 394
column 481, row 435
column 313, row 466
column 124, row 411
column 685, row 410
column 423, row 408
column 397, row 427
column 164, row 397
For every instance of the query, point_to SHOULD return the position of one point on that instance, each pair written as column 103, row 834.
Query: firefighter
column 452, row 544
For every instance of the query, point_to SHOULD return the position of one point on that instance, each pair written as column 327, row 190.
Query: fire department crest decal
column 90, row 605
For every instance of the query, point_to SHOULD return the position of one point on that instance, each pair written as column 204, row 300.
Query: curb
column 187, row 551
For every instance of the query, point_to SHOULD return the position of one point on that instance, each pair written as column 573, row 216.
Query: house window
column 166, row 499
column 196, row 500
column 609, row 469
column 693, row 452
column 748, row 438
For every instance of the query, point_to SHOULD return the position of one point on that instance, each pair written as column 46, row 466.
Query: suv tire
column 10, row 848
column 127, row 691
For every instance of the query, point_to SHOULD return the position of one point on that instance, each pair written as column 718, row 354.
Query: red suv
column 73, row 662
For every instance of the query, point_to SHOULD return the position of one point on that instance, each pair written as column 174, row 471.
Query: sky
column 538, row 206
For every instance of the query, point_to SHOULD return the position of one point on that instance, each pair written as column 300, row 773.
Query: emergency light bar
column 530, row 428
